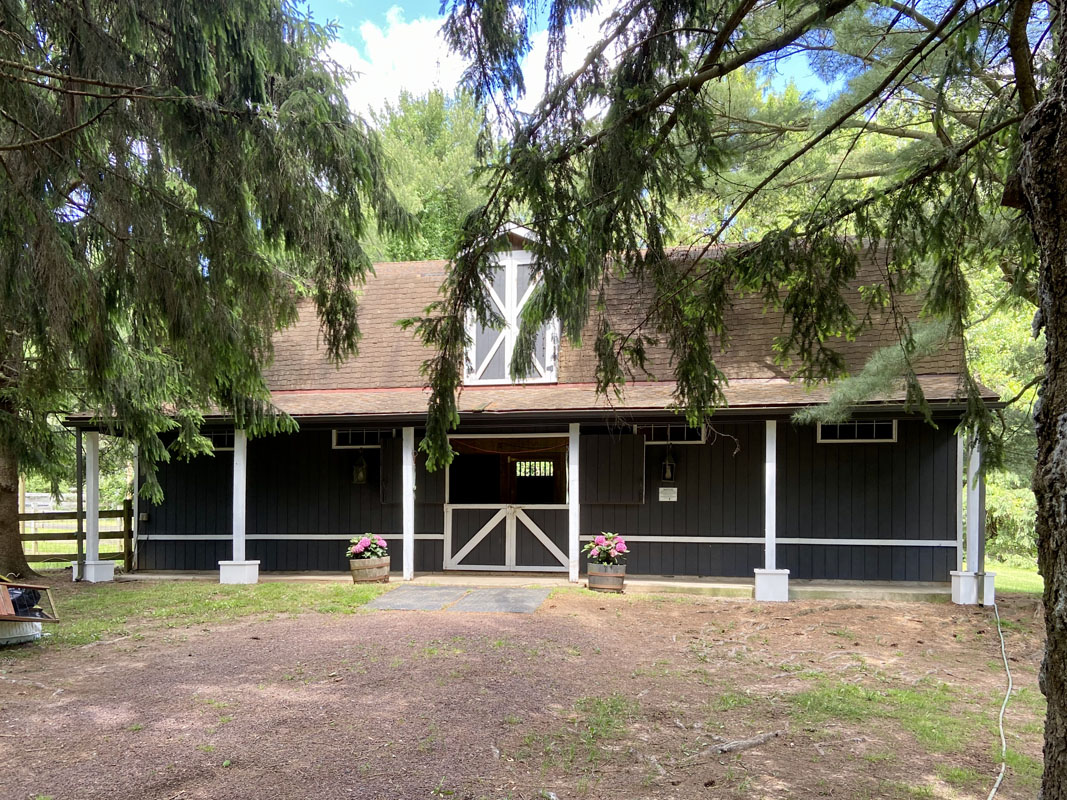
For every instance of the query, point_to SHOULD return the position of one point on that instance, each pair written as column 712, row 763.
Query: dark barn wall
column 720, row 493
column 899, row 490
column 297, row 485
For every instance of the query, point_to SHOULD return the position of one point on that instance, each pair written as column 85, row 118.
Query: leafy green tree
column 977, row 90
column 173, row 176
column 432, row 147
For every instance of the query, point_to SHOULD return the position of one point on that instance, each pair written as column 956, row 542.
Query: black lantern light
column 359, row 469
column 669, row 468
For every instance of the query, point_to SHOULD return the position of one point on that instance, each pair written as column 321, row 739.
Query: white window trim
column 335, row 446
column 215, row 448
column 668, row 441
column 512, row 306
column 892, row 440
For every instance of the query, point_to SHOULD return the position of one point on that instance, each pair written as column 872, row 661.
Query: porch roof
column 745, row 393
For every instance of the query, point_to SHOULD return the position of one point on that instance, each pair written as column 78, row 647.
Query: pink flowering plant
column 607, row 548
column 369, row 545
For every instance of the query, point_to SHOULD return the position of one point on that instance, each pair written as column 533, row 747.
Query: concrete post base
column 238, row 572
column 965, row 588
column 95, row 571
column 772, row 585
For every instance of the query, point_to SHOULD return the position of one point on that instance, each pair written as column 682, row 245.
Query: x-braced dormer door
column 490, row 354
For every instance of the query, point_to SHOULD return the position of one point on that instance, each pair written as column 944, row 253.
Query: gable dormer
column 490, row 353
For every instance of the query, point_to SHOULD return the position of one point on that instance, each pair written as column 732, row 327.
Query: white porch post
column 959, row 477
column 239, row 570
column 772, row 584
column 573, row 508
column 96, row 571
column 407, row 474
column 974, row 586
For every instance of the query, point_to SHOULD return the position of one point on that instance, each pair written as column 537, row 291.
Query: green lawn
column 1017, row 580
column 91, row 612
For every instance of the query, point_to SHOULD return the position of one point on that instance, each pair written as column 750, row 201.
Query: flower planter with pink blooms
column 606, row 555
column 368, row 558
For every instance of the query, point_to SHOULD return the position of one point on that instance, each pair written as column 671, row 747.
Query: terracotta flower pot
column 607, row 577
column 369, row 570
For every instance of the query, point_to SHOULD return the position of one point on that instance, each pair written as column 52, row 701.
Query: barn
column 545, row 464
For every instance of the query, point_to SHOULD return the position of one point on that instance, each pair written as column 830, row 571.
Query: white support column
column 239, row 570
column 959, row 477
column 407, row 474
column 96, row 571
column 772, row 584
column 974, row 586
column 573, row 508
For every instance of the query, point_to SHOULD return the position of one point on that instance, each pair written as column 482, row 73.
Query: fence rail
column 125, row 533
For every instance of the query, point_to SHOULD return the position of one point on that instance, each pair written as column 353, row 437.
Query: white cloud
column 413, row 55
column 401, row 55
column 582, row 34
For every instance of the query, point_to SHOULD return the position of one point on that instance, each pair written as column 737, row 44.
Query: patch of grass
column 91, row 612
column 206, row 748
column 925, row 712
column 1017, row 580
column 1031, row 699
column 137, row 726
column 1027, row 770
column 879, row 758
column 844, row 633
column 596, row 720
column 730, row 700
column 958, row 776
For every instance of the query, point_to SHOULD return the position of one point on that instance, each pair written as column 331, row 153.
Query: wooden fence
column 125, row 534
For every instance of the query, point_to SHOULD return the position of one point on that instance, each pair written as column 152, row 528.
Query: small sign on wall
column 668, row 494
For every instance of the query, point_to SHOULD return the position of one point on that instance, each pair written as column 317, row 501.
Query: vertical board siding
column 611, row 468
column 892, row 490
column 720, row 493
column 297, row 485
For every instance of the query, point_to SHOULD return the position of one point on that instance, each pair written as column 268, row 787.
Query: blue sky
column 394, row 45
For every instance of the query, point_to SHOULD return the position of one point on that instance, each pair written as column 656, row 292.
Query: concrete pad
column 418, row 598
column 508, row 601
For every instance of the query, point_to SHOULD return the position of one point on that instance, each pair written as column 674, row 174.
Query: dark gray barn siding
column 720, row 493
column 297, row 485
column 899, row 490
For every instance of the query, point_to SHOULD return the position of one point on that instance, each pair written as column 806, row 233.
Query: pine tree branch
column 707, row 73
column 43, row 140
column 1019, row 48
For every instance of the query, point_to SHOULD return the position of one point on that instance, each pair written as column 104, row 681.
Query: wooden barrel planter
column 607, row 577
column 369, row 570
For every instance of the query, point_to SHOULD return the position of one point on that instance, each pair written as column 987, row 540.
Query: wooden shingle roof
column 385, row 378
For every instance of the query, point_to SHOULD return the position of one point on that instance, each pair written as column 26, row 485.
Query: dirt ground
column 592, row 697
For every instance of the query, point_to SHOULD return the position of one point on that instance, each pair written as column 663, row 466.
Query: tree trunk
column 12, row 558
column 1043, row 172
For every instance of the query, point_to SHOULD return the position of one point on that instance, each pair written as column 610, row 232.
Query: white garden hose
column 1003, row 707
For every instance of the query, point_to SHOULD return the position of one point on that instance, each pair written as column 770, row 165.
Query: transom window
column 867, row 430
column 356, row 439
column 220, row 440
column 672, row 433
column 490, row 354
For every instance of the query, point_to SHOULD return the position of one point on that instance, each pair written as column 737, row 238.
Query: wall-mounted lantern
column 359, row 469
column 669, row 468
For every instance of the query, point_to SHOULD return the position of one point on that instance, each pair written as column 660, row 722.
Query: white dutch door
column 506, row 504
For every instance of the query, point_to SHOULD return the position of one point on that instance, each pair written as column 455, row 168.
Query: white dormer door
column 489, row 356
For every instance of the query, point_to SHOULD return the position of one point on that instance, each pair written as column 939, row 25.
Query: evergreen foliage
column 667, row 135
column 173, row 177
